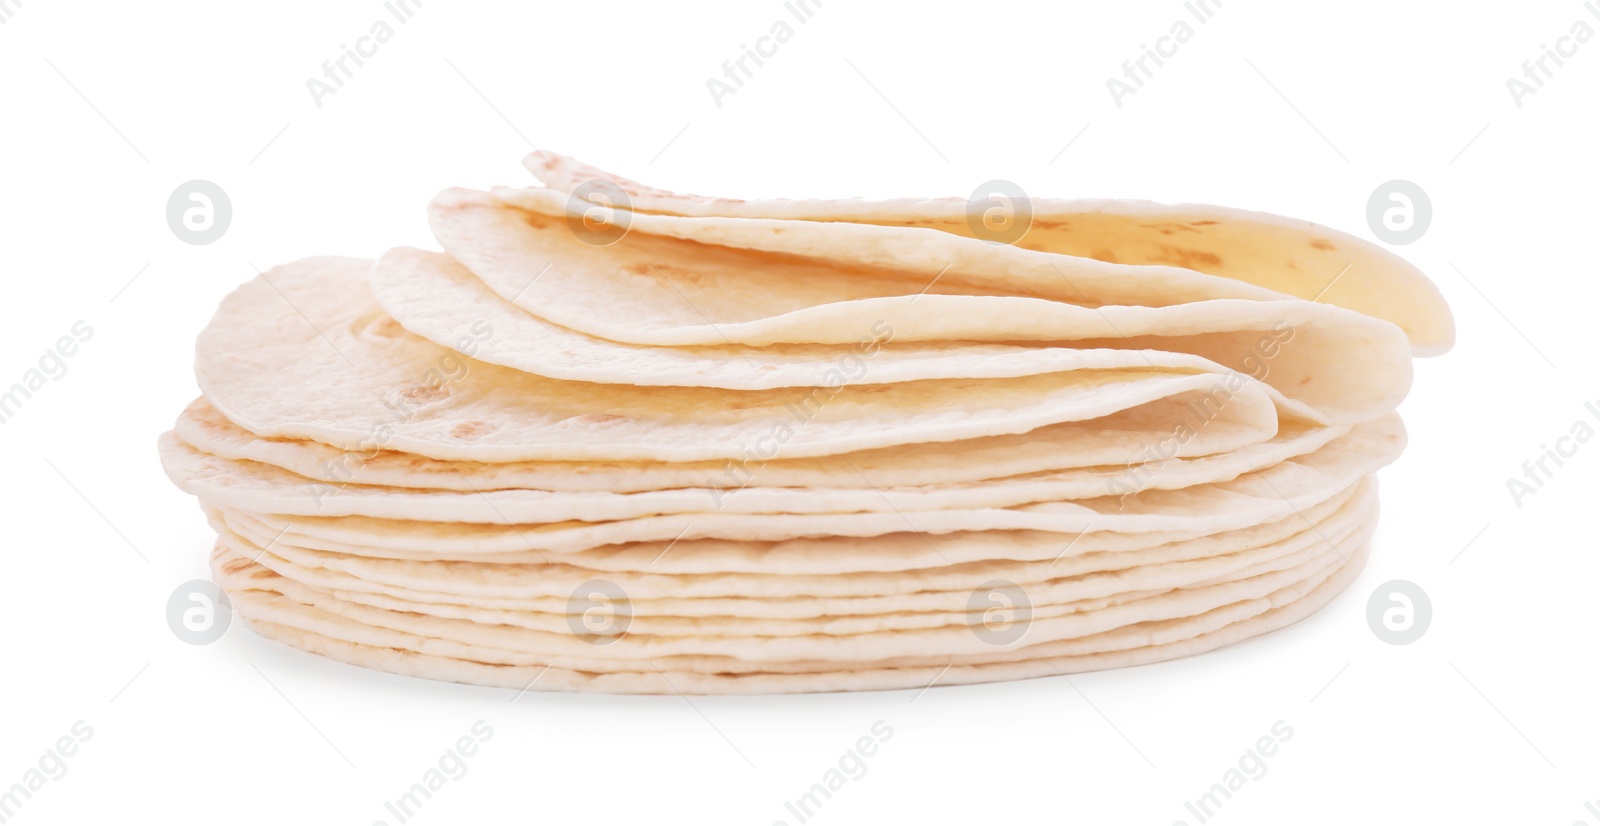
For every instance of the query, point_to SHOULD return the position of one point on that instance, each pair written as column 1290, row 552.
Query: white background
column 1302, row 109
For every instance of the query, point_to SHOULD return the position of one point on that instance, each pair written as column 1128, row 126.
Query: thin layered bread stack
column 618, row 439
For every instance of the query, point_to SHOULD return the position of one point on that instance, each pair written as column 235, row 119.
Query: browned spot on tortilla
column 1105, row 255
column 1186, row 258
column 384, row 327
column 1201, row 223
column 1044, row 224
column 740, row 402
column 598, row 418
column 1319, row 244
column 471, row 429
column 421, row 393
column 670, row 272
column 536, row 220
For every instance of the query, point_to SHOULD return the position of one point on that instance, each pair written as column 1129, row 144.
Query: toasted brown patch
column 471, row 429
column 1169, row 227
column 421, row 393
column 670, row 272
column 382, row 327
column 1319, row 244
column 1187, row 258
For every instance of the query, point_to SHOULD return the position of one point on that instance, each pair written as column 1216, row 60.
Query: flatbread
column 248, row 485
column 900, row 551
column 1284, row 255
column 304, row 627
column 1171, row 428
column 948, row 643
column 648, row 289
column 754, row 447
column 304, row 352
column 435, row 297
column 546, row 587
column 1252, row 499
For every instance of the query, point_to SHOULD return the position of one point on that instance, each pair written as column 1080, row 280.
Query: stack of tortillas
column 619, row 439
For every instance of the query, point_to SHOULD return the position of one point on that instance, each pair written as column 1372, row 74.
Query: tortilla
column 1179, row 427
column 250, row 485
column 711, row 446
column 546, row 587
column 1284, row 255
column 1270, row 494
column 304, row 627
column 653, row 290
column 435, row 297
column 356, row 380
column 905, row 550
column 904, row 646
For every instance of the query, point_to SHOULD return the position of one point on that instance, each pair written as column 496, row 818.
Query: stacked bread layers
column 624, row 440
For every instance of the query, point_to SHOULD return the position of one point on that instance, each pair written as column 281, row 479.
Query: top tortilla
column 1285, row 255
